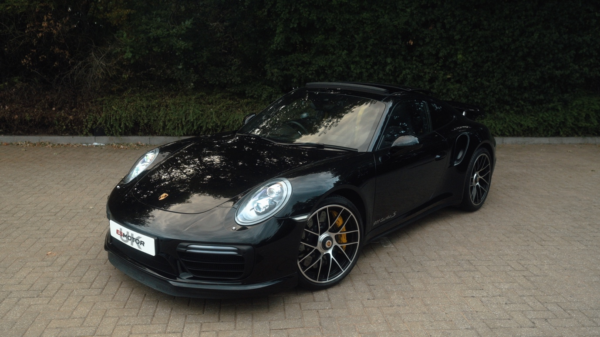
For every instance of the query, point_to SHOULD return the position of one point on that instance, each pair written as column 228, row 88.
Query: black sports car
column 292, row 196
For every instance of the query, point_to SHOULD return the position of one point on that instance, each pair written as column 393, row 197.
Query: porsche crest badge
column 163, row 196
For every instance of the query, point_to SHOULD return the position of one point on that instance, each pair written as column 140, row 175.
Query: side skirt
column 440, row 202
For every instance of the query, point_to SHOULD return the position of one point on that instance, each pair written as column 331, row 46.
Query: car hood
column 212, row 170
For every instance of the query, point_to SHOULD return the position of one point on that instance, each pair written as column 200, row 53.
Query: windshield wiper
column 256, row 136
column 313, row 145
column 321, row 146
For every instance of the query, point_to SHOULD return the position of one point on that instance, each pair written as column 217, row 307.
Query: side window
column 408, row 117
column 440, row 114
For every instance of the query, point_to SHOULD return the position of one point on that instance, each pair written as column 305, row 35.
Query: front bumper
column 197, row 289
column 192, row 288
column 185, row 262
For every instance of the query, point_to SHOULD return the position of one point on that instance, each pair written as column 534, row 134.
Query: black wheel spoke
column 320, row 266
column 483, row 168
column 339, row 265
column 311, row 232
column 330, row 264
column 346, row 243
column 346, row 255
column 312, row 265
column 334, row 221
column 318, row 223
column 307, row 255
column 346, row 232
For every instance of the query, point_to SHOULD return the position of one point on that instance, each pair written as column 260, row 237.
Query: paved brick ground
column 528, row 263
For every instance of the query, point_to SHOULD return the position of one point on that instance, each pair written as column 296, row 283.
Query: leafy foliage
column 174, row 115
column 504, row 55
column 60, row 43
column 580, row 117
column 533, row 65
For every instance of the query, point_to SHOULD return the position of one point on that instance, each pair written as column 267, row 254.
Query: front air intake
column 214, row 262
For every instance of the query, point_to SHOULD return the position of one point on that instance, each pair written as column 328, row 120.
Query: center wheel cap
column 327, row 243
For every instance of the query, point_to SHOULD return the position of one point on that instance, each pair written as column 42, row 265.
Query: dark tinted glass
column 408, row 117
column 441, row 114
column 307, row 116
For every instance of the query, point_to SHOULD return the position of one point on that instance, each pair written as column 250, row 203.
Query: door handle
column 440, row 156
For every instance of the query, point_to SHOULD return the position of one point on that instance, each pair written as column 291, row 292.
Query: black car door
column 407, row 178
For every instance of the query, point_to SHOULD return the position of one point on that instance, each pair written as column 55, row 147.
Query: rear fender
column 472, row 112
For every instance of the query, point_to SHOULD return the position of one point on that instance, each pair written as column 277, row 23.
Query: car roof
column 372, row 88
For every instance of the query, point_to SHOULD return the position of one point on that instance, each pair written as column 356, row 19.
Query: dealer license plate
column 133, row 239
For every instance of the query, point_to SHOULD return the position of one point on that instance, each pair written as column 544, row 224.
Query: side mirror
column 405, row 141
column 247, row 118
column 404, row 144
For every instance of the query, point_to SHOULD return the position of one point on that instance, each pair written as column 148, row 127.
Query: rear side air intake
column 460, row 148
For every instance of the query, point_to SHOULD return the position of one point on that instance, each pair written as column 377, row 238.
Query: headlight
column 142, row 164
column 263, row 202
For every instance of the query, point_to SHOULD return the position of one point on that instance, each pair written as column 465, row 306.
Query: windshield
column 317, row 117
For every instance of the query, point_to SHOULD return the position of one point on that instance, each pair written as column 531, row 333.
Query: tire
column 330, row 244
column 478, row 180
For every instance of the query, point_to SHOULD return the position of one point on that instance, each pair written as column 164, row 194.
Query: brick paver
column 527, row 263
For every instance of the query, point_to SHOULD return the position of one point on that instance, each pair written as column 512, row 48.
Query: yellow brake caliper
column 338, row 223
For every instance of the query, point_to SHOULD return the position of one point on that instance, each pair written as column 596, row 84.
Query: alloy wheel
column 480, row 179
column 329, row 244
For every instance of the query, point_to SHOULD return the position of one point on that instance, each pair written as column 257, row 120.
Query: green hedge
column 533, row 65
column 578, row 117
column 181, row 115
column 177, row 115
column 160, row 113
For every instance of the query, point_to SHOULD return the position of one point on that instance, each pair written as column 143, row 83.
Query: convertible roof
column 374, row 88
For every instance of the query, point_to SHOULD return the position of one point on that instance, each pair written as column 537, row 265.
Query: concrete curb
column 159, row 140
column 547, row 140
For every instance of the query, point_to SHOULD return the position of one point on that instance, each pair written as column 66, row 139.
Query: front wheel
column 330, row 244
column 478, row 182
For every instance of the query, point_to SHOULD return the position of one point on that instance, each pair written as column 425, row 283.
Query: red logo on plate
column 129, row 238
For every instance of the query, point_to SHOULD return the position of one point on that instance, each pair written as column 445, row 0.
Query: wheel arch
column 355, row 198
column 491, row 150
column 475, row 144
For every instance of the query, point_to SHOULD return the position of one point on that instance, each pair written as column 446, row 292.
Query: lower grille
column 213, row 262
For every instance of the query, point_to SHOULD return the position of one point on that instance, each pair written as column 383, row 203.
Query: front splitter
column 196, row 289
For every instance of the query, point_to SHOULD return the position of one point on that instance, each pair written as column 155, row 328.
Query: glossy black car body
column 186, row 201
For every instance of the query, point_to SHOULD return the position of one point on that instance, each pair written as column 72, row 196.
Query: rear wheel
column 330, row 244
column 478, row 182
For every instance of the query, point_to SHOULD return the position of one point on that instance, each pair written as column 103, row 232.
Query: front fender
column 352, row 177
